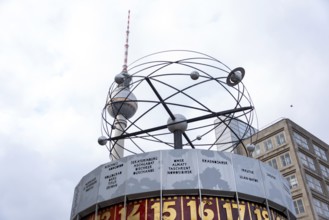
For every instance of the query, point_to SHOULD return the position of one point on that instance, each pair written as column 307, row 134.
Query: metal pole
column 178, row 141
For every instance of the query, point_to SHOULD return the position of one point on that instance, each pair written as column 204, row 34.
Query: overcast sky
column 58, row 59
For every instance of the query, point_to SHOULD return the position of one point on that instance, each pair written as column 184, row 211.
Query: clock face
column 186, row 89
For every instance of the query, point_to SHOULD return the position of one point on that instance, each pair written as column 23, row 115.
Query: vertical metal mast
column 125, row 61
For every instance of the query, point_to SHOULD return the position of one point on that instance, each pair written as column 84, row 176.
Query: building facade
column 303, row 160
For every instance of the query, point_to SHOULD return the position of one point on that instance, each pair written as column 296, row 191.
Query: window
column 324, row 171
column 300, row 141
column 280, row 139
column 273, row 163
column 293, row 183
column 256, row 151
column 314, row 183
column 268, row 144
column 285, row 159
column 320, row 152
column 321, row 208
column 307, row 161
column 299, row 206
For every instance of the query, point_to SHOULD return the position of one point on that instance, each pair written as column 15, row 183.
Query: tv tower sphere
column 122, row 101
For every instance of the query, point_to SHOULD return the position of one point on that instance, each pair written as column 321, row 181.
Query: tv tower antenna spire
column 124, row 67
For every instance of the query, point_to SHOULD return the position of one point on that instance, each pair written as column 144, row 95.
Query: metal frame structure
column 174, row 81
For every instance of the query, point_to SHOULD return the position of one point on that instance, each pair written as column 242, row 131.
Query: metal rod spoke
column 160, row 98
column 215, row 114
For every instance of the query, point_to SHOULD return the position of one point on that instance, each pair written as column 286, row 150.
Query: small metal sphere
column 179, row 123
column 195, row 75
column 235, row 76
column 250, row 148
column 119, row 78
column 102, row 140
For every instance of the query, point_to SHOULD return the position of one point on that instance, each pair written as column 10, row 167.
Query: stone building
column 302, row 159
